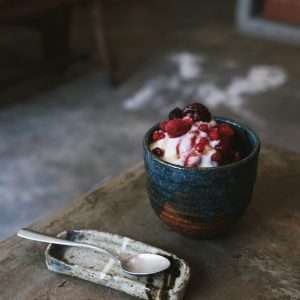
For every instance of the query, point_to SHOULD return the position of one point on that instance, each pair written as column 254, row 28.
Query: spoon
column 139, row 264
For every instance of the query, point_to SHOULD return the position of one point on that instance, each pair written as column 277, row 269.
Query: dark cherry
column 204, row 127
column 158, row 152
column 176, row 113
column 194, row 115
column 224, row 146
column 217, row 156
column 214, row 133
column 200, row 147
column 197, row 111
column 226, row 130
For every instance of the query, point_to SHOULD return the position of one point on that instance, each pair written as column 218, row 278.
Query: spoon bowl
column 145, row 264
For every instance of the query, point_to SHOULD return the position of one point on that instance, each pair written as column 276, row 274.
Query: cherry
column 158, row 152
column 204, row 127
column 214, row 133
column 177, row 127
column 197, row 111
column 226, row 130
column 217, row 156
column 162, row 125
column 157, row 135
column 176, row 113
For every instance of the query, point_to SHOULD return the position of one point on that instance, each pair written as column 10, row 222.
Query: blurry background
column 81, row 81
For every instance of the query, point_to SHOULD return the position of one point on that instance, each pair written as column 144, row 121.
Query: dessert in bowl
column 201, row 170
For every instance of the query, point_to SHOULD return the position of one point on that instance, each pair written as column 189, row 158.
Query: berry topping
column 162, row 125
column 203, row 141
column 176, row 113
column 192, row 160
column 197, row 111
column 225, row 130
column 188, row 120
column 157, row 151
column 214, row 133
column 157, row 135
column 217, row 156
column 200, row 147
column 177, row 127
column 203, row 127
column 224, row 146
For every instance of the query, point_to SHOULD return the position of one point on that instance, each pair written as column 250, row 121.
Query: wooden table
column 260, row 260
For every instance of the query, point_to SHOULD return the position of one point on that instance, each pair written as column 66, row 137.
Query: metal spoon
column 140, row 264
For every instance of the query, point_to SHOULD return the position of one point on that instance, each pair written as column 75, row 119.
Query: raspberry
column 188, row 120
column 201, row 144
column 217, row 156
column 157, row 135
column 158, row 152
column 224, row 146
column 197, row 111
column 176, row 113
column 200, row 147
column 177, row 127
column 204, row 127
column 214, row 133
column 225, row 130
column 162, row 125
column 203, row 141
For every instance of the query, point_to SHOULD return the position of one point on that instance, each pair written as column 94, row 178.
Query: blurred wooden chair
column 52, row 18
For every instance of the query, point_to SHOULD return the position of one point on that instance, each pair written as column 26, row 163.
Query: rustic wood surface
column 260, row 260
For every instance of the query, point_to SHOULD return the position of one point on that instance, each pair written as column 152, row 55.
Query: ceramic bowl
column 204, row 202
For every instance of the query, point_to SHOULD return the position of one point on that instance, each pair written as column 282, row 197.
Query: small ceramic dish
column 101, row 269
column 203, row 202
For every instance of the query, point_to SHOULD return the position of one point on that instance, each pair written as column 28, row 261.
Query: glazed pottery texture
column 204, row 202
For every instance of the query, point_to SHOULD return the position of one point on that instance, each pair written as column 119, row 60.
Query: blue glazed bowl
column 204, row 202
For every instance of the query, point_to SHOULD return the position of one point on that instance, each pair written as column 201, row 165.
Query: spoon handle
column 35, row 236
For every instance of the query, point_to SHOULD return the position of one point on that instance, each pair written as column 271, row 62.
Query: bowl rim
column 230, row 121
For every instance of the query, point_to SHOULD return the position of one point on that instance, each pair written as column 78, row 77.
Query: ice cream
column 191, row 138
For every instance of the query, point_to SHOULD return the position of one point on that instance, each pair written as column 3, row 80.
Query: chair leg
column 103, row 53
column 55, row 29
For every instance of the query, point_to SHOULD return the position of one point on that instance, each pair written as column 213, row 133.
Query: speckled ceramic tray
column 99, row 268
